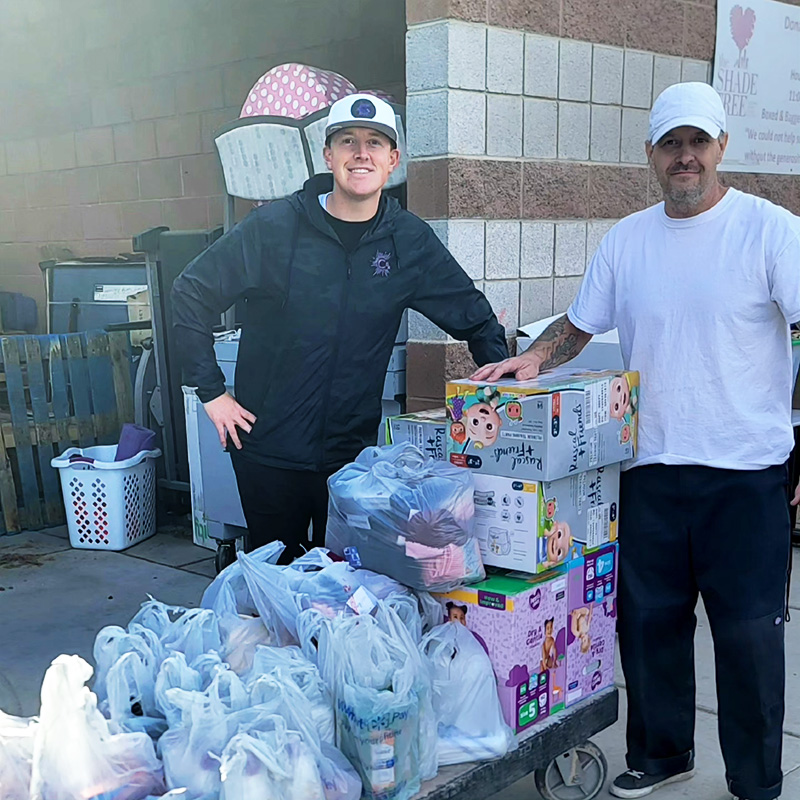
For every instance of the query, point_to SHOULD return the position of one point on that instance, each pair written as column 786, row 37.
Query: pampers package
column 426, row 430
column 520, row 620
column 561, row 423
column 533, row 526
column 592, row 623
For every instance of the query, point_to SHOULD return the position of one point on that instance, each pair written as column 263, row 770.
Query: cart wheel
column 578, row 774
column 226, row 555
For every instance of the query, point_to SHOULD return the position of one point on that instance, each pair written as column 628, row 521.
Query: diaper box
column 592, row 622
column 426, row 430
column 532, row 526
column 561, row 423
column 520, row 620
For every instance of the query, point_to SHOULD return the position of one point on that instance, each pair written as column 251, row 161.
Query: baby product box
column 561, row 423
column 426, row 430
column 520, row 620
column 534, row 526
column 592, row 622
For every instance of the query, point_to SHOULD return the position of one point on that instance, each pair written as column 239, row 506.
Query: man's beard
column 687, row 198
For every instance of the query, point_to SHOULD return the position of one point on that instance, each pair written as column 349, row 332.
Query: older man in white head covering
column 702, row 288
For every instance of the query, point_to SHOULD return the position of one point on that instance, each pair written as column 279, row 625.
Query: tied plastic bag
column 174, row 673
column 407, row 516
column 471, row 724
column 241, row 635
column 131, row 697
column 275, row 764
column 289, row 664
column 75, row 753
column 377, row 683
column 16, row 755
column 112, row 642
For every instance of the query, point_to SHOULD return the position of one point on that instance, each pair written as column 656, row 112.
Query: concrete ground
column 54, row 599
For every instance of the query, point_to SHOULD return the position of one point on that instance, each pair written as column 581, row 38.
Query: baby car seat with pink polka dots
column 276, row 144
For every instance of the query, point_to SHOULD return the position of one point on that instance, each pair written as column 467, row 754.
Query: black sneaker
column 632, row 784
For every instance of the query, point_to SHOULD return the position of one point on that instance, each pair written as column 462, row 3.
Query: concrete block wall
column 526, row 131
column 110, row 109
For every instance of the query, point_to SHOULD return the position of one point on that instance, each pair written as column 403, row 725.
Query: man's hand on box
column 227, row 415
column 523, row 368
column 796, row 499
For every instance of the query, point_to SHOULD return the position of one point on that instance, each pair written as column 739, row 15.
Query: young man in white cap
column 326, row 275
column 702, row 288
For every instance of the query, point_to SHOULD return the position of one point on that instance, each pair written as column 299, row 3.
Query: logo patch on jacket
column 381, row 264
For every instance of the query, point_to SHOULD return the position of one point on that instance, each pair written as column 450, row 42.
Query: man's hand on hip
column 227, row 415
column 523, row 368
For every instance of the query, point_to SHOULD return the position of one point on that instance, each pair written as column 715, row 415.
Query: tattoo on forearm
column 559, row 342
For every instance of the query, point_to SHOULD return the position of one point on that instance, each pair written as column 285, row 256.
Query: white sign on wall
column 757, row 73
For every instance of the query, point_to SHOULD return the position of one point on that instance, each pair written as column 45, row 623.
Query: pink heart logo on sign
column 742, row 25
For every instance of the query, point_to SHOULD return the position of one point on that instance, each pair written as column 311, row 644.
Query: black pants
column 723, row 534
column 281, row 504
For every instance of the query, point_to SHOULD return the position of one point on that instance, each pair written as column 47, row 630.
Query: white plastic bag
column 75, row 754
column 471, row 725
column 112, row 642
column 16, row 755
column 275, row 764
column 131, row 697
column 228, row 592
column 402, row 514
column 377, row 684
column 289, row 664
column 241, row 635
column 174, row 673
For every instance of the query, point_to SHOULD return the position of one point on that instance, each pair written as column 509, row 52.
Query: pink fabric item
column 439, row 565
column 295, row 90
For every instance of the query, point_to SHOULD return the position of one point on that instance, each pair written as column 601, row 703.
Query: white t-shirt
column 703, row 307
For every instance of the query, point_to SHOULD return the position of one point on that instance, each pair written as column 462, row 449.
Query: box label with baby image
column 592, row 622
column 562, row 423
column 520, row 621
column 532, row 527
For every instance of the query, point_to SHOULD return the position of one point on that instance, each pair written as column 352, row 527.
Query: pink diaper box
column 520, row 620
column 591, row 622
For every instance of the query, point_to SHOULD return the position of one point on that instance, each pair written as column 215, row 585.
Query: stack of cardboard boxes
column 545, row 457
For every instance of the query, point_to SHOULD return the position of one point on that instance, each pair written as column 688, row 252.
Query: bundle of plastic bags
column 327, row 588
column 470, row 720
column 399, row 513
column 385, row 724
column 75, row 752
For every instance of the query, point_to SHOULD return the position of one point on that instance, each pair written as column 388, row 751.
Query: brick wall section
column 110, row 107
column 527, row 121
column 671, row 27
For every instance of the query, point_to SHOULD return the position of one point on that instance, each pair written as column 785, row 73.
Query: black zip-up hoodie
column 320, row 322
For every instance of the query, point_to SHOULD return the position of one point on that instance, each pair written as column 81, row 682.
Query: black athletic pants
column 722, row 534
column 281, row 504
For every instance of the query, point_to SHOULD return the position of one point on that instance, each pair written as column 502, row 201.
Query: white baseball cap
column 694, row 103
column 362, row 111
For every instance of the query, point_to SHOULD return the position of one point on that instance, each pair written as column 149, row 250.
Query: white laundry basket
column 110, row 504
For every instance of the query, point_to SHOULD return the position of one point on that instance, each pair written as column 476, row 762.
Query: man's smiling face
column 685, row 160
column 361, row 160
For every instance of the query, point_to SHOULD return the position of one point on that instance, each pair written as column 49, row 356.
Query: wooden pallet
column 56, row 392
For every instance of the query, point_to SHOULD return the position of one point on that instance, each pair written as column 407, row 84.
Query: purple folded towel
column 134, row 439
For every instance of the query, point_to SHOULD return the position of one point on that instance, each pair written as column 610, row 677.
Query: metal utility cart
column 564, row 763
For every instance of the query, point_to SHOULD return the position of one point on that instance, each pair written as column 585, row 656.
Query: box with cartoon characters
column 426, row 430
column 520, row 620
column 533, row 526
column 592, row 622
column 561, row 423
